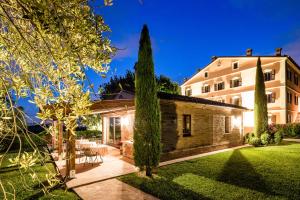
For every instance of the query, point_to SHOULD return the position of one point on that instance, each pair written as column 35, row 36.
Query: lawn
column 271, row 172
column 24, row 186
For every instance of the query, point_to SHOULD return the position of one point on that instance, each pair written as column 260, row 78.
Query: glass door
column 114, row 131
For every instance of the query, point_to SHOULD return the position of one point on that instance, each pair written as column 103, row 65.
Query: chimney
column 213, row 58
column 249, row 52
column 278, row 51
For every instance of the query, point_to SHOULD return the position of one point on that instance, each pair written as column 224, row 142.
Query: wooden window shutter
column 202, row 89
column 273, row 74
column 231, row 83
column 209, row 88
column 240, row 82
column 216, row 87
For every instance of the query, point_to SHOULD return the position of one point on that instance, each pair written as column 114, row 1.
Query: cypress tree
column 147, row 114
column 260, row 102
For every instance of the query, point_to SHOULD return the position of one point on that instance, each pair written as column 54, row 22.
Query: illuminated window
column 235, row 101
column 186, row 125
column 235, row 65
column 205, row 89
column 219, row 86
column 271, row 97
column 296, row 100
column 188, row 92
column 269, row 75
column 227, row 124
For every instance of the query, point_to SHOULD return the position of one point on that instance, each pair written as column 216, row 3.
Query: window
column 289, row 74
column 271, row 97
column 235, row 101
column 186, row 125
column 227, row 124
column 296, row 79
column 219, row 86
column 296, row 100
column 289, row 97
column 221, row 100
column 206, row 74
column 269, row 75
column 188, row 92
column 235, row 65
column 235, row 83
column 289, row 118
column 205, row 89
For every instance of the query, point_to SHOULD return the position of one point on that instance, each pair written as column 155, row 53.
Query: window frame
column 271, row 97
column 233, row 63
column 188, row 91
column 206, row 74
column 186, row 131
column 227, row 126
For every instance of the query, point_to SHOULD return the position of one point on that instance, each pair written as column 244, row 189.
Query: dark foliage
column 126, row 82
column 260, row 103
column 147, row 146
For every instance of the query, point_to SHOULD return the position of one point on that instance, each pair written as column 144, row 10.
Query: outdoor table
column 100, row 150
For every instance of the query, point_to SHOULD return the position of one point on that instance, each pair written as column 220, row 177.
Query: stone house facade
column 189, row 125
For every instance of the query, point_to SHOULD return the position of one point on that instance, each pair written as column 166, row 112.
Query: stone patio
column 111, row 189
column 87, row 173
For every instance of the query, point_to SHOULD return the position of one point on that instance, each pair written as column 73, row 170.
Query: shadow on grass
column 161, row 188
column 239, row 171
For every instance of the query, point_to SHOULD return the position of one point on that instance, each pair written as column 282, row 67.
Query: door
column 114, row 131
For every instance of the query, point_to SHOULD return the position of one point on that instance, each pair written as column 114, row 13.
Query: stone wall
column 207, row 125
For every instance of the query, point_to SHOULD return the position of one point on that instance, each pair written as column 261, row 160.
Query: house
column 231, row 79
column 189, row 125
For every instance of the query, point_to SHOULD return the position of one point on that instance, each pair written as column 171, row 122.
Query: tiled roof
column 176, row 97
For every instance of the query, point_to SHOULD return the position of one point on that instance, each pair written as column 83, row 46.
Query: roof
column 243, row 56
column 123, row 94
column 106, row 105
column 176, row 97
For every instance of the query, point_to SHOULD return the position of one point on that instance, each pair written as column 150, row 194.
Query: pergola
column 101, row 107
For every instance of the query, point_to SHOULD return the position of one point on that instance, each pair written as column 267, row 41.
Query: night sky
column 186, row 33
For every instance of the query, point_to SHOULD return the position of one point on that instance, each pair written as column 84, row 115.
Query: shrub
column 265, row 138
column 89, row 134
column 255, row 141
column 278, row 136
column 248, row 136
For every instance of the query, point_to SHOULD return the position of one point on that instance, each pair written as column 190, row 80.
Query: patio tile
column 112, row 166
column 111, row 189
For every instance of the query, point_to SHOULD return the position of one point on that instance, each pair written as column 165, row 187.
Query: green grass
column 271, row 172
column 23, row 184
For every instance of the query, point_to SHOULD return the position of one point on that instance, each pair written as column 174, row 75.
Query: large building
column 231, row 79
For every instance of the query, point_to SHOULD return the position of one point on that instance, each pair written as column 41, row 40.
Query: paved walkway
column 111, row 189
column 199, row 155
column 292, row 140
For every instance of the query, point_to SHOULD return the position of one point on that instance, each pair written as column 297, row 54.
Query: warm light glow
column 236, row 121
column 248, row 119
column 125, row 120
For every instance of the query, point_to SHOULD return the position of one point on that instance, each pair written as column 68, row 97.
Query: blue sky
column 186, row 33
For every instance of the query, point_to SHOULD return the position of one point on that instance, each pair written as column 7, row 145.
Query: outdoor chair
column 79, row 152
column 89, row 156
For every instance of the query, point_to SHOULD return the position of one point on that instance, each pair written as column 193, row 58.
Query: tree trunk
column 71, row 156
column 148, row 171
column 60, row 137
